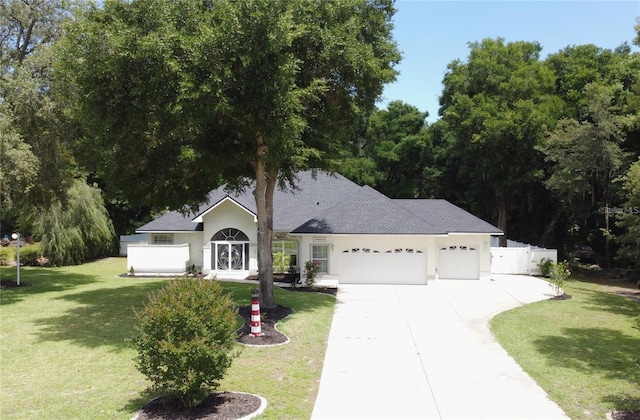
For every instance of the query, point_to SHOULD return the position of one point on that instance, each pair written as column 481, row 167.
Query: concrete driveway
column 426, row 352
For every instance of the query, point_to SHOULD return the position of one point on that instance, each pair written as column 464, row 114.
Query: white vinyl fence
column 520, row 260
column 158, row 259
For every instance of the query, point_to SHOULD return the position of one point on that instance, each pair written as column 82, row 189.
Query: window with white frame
column 320, row 257
column 288, row 246
column 162, row 238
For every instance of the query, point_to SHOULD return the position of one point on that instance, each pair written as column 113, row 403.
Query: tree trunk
column 606, row 222
column 502, row 218
column 265, row 186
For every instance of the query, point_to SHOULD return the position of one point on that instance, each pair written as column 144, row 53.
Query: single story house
column 353, row 233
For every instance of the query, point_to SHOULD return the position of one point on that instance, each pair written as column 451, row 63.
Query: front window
column 320, row 257
column 162, row 238
column 289, row 247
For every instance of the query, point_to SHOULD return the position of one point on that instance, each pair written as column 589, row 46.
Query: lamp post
column 16, row 237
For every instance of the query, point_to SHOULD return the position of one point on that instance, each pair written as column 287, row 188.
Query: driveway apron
column 426, row 352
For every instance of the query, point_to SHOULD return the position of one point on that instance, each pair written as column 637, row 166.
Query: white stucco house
column 354, row 234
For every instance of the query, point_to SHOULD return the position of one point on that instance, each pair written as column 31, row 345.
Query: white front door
column 230, row 256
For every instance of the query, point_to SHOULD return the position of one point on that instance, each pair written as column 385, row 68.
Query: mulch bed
column 270, row 335
column 563, row 296
column 5, row 284
column 625, row 415
column 217, row 406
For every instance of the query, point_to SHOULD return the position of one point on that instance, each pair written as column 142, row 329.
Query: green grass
column 63, row 352
column 584, row 352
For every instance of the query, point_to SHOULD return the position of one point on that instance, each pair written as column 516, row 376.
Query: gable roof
column 332, row 204
column 316, row 191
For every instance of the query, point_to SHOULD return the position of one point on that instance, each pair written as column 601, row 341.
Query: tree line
column 111, row 113
column 546, row 149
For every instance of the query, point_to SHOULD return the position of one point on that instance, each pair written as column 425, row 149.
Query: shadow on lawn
column 101, row 317
column 38, row 280
column 607, row 352
column 105, row 316
column 611, row 302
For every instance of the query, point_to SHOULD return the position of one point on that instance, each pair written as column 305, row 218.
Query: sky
column 431, row 34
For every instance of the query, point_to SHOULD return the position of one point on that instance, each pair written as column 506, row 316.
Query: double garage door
column 405, row 265
column 383, row 266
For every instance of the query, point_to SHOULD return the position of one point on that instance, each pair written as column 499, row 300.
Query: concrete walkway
column 426, row 352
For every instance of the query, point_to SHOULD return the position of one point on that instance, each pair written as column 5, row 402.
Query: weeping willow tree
column 77, row 228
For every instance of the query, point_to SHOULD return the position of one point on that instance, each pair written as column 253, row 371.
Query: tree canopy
column 183, row 96
column 497, row 105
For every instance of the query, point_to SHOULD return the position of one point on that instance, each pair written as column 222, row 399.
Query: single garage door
column 458, row 262
column 383, row 266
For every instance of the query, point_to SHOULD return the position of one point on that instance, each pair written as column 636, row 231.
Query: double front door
column 231, row 256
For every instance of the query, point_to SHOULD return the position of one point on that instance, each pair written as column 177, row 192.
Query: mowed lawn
column 584, row 352
column 63, row 349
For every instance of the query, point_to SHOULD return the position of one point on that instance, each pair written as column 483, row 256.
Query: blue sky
column 431, row 34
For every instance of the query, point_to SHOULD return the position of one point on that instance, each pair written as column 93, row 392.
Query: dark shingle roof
column 367, row 212
column 447, row 217
column 316, row 191
column 333, row 204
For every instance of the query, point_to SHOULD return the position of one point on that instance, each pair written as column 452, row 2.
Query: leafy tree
column 183, row 96
column 587, row 156
column 628, row 218
column 77, row 228
column 28, row 25
column 577, row 66
column 29, row 101
column 496, row 107
column 396, row 141
column 18, row 164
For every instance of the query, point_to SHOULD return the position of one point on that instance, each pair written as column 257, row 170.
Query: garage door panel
column 383, row 267
column 458, row 262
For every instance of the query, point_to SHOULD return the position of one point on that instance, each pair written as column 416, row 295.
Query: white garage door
column 458, row 262
column 383, row 266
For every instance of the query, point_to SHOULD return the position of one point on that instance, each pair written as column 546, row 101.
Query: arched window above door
column 230, row 235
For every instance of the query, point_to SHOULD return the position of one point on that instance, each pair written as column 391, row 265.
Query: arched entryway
column 230, row 251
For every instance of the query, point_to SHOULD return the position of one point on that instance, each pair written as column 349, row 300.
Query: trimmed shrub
column 7, row 254
column 29, row 255
column 186, row 338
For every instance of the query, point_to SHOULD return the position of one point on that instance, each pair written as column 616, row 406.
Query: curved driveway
column 426, row 352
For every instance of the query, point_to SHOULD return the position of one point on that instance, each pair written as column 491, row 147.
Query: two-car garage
column 406, row 265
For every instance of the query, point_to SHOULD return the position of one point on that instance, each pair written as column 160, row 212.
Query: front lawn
column 63, row 352
column 584, row 352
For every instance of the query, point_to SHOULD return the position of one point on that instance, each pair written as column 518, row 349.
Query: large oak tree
column 496, row 106
column 178, row 97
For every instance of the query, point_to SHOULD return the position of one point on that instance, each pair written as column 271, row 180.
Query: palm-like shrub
column 186, row 338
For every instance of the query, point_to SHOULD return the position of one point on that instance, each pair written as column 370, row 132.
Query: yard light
column 256, row 328
column 16, row 237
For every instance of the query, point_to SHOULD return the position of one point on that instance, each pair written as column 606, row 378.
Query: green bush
column 545, row 266
column 281, row 262
column 7, row 254
column 185, row 338
column 559, row 275
column 29, row 254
